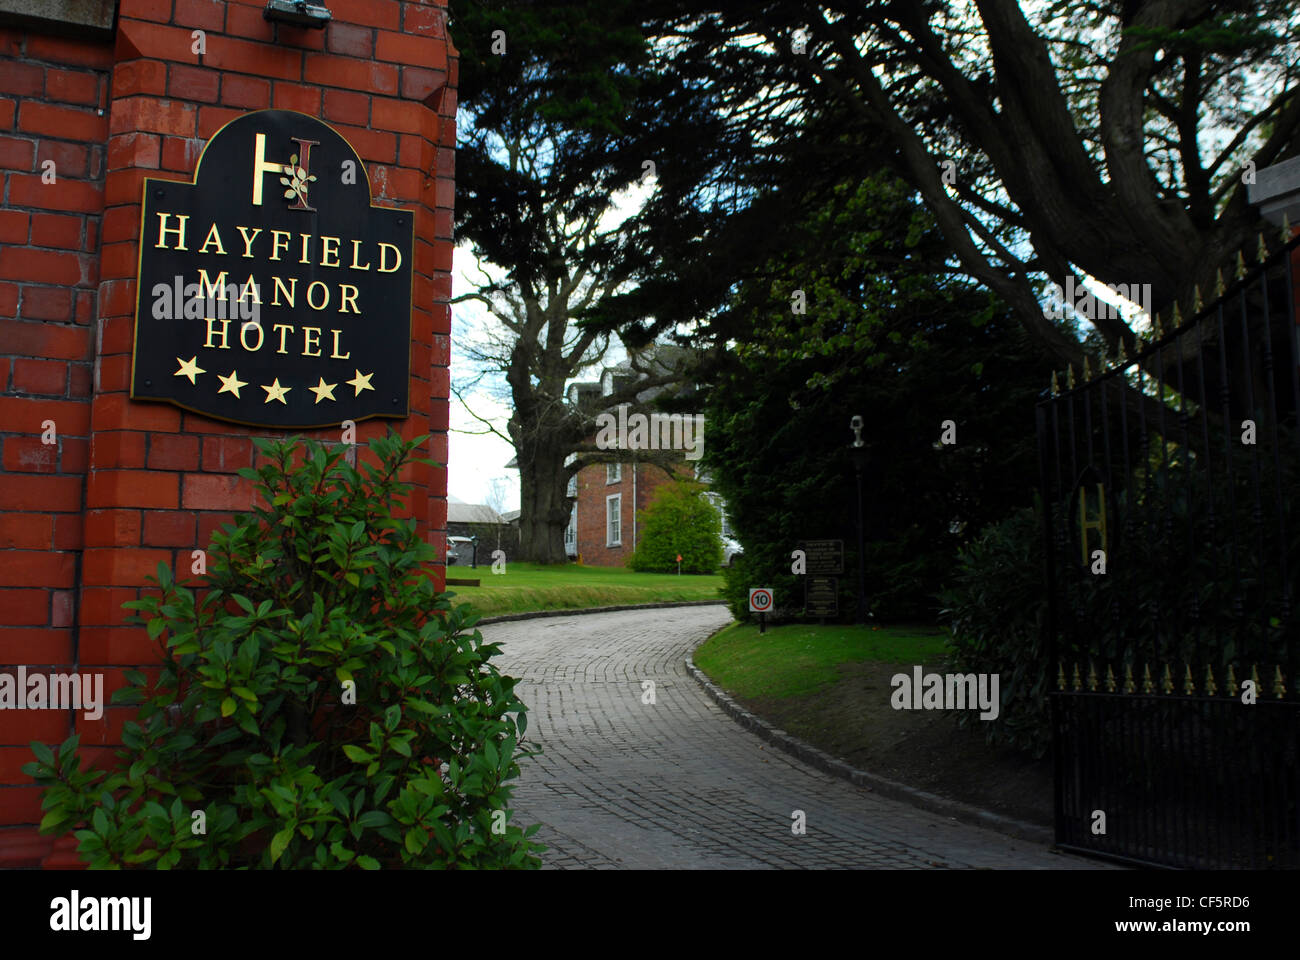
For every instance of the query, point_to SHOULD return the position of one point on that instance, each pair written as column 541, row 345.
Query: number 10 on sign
column 760, row 601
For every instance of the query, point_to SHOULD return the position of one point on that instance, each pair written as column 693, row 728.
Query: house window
column 613, row 472
column 572, row 490
column 701, row 474
column 571, row 531
column 613, row 517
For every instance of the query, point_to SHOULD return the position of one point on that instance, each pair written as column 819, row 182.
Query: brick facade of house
column 593, row 493
column 129, row 484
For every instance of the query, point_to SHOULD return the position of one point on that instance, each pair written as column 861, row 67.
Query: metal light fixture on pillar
column 858, row 451
column 298, row 13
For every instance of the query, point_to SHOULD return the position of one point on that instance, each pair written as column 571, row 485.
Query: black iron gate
column 1171, row 523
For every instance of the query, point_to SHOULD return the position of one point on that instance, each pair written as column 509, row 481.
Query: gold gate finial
column 1210, row 686
column 1147, row 685
column 1279, row 688
column 1128, row 678
column 1189, row 686
column 1167, row 683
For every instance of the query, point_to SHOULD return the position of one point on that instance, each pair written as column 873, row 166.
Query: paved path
column 678, row 784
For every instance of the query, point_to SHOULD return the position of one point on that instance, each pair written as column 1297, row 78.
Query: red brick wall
column 131, row 484
column 53, row 99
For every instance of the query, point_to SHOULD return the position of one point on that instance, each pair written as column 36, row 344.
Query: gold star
column 323, row 390
column 360, row 383
column 231, row 384
column 276, row 392
column 189, row 368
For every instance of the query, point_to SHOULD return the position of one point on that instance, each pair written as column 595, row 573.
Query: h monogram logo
column 294, row 175
column 1098, row 524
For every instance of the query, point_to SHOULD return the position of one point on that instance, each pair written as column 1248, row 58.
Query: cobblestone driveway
column 677, row 784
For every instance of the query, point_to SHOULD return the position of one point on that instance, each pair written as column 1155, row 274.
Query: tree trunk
column 544, row 509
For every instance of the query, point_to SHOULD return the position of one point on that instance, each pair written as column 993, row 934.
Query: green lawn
column 526, row 587
column 797, row 659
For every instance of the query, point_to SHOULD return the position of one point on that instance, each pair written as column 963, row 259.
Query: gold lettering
column 309, row 341
column 312, row 286
column 243, row 336
column 356, row 250
column 347, row 298
column 261, row 167
column 284, row 329
column 250, row 290
column 290, row 292
column 329, row 247
column 248, row 241
column 208, row 287
column 277, row 244
column 334, row 354
column 383, row 258
column 306, row 241
column 214, row 239
column 225, row 327
column 163, row 230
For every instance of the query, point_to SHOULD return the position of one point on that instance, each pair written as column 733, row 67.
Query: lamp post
column 474, row 542
column 858, row 451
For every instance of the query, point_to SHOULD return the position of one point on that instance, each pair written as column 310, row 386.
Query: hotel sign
column 270, row 291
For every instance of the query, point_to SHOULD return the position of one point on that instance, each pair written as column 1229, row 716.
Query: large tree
column 1110, row 137
column 567, row 117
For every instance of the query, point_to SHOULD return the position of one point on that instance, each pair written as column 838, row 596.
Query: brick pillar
column 159, row 479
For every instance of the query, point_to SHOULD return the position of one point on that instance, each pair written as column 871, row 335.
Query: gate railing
column 1171, row 525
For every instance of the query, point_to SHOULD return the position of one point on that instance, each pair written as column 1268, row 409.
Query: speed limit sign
column 760, row 599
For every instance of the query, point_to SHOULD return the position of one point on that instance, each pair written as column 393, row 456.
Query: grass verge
column 528, row 587
column 830, row 687
column 798, row 659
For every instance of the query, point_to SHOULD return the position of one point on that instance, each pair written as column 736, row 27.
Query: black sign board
column 825, row 557
column 271, row 292
column 821, row 597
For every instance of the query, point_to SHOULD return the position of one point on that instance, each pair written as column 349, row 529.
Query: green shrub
column 997, row 607
column 318, row 703
column 678, row 519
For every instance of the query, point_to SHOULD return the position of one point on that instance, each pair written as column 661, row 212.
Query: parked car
column 459, row 550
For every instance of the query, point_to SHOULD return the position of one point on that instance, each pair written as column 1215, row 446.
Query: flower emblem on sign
column 296, row 181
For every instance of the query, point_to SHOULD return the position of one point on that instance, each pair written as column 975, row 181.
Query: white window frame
column 613, row 472
column 571, row 531
column 617, row 519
